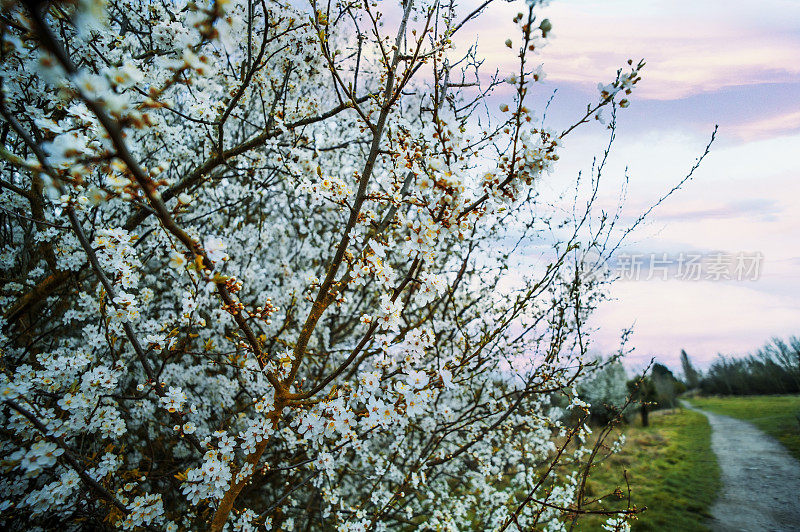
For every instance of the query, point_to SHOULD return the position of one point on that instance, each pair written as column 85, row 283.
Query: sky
column 728, row 63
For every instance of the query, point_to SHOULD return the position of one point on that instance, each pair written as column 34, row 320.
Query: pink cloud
column 769, row 126
column 689, row 49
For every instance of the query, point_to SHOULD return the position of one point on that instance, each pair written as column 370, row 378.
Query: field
column 672, row 471
column 777, row 415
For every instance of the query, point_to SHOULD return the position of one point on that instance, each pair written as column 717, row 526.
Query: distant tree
column 666, row 386
column 691, row 376
column 643, row 392
column 605, row 390
column 786, row 355
column 655, row 391
column 773, row 369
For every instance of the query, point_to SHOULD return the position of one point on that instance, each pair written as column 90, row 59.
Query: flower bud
column 546, row 26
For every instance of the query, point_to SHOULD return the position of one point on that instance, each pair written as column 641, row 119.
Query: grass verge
column 671, row 469
column 777, row 415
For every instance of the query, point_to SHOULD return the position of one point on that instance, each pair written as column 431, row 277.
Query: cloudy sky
column 731, row 63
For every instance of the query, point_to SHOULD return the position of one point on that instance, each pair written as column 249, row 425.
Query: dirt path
column 761, row 480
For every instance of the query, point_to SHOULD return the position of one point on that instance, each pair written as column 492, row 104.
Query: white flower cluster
column 42, row 454
column 211, row 480
column 145, row 510
column 173, row 399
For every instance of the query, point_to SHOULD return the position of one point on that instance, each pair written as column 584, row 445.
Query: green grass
column 671, row 469
column 774, row 414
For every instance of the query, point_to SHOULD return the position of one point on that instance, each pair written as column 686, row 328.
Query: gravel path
column 761, row 480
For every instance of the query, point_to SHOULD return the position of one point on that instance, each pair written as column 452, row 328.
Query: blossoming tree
column 251, row 273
